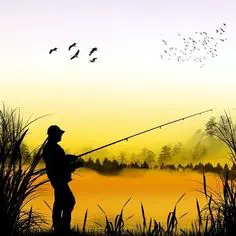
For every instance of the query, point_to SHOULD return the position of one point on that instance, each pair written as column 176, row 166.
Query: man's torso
column 57, row 167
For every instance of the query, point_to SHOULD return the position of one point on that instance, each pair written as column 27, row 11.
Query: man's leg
column 57, row 210
column 68, row 207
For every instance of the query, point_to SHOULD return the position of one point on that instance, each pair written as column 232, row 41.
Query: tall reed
column 19, row 179
column 218, row 216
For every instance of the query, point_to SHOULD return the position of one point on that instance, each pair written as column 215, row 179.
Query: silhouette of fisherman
column 59, row 168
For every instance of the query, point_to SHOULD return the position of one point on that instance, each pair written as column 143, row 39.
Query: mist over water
column 157, row 190
column 198, row 148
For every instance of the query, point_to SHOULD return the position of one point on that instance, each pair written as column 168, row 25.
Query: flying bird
column 92, row 51
column 76, row 55
column 52, row 50
column 72, row 45
column 93, row 60
column 195, row 48
column 164, row 41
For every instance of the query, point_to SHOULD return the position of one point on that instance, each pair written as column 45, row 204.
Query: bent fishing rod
column 142, row 132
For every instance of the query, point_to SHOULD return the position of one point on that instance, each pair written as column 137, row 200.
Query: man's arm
column 71, row 158
column 74, row 162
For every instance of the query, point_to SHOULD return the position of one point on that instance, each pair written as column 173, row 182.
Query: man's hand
column 71, row 157
column 81, row 162
column 76, row 163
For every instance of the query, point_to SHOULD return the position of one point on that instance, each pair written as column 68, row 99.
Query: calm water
column 157, row 190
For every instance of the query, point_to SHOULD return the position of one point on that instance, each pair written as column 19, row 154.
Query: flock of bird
column 77, row 52
column 197, row 48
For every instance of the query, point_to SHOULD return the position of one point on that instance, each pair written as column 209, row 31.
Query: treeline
column 113, row 166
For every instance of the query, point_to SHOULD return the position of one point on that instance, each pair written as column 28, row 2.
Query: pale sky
column 129, row 88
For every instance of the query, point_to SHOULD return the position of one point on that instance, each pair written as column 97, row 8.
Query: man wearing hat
column 59, row 169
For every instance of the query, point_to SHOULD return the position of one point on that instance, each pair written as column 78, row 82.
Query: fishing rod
column 142, row 132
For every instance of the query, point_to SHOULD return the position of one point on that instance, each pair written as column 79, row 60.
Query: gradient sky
column 129, row 88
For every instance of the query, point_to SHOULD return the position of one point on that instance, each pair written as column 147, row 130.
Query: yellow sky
column 129, row 88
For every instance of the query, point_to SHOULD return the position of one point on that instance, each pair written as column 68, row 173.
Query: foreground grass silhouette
column 19, row 182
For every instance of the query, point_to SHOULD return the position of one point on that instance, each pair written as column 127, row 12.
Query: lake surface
column 157, row 190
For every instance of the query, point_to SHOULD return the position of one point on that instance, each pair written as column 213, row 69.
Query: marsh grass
column 117, row 226
column 218, row 216
column 19, row 181
column 146, row 227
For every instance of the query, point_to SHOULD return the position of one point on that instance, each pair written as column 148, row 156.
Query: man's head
column 54, row 133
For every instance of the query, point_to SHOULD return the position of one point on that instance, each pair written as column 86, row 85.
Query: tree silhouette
column 165, row 155
column 198, row 151
column 98, row 165
column 218, row 168
column 148, row 156
column 177, row 149
column 145, row 165
column 224, row 130
column 122, row 158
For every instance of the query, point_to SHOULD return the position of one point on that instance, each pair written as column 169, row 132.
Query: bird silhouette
column 92, row 51
column 52, row 50
column 196, row 48
column 164, row 41
column 93, row 60
column 72, row 45
column 76, row 55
